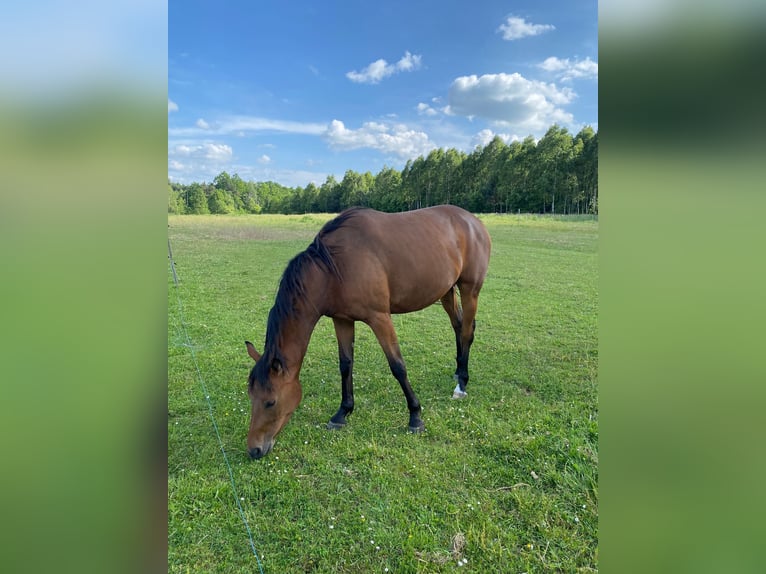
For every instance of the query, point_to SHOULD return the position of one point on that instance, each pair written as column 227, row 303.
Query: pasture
column 505, row 480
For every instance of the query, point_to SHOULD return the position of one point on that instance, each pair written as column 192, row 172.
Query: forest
column 557, row 174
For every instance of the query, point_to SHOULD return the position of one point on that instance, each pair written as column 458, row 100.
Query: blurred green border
column 681, row 182
column 83, row 179
column 83, row 254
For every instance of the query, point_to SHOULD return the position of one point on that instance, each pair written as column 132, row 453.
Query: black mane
column 292, row 287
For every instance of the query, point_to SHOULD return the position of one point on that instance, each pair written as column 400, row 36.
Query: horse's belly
column 416, row 295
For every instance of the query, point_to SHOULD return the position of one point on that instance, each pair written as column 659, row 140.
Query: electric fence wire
column 206, row 394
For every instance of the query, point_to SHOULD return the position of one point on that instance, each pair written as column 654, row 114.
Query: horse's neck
column 294, row 338
column 296, row 331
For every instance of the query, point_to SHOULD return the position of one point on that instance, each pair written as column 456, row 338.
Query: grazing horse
column 365, row 265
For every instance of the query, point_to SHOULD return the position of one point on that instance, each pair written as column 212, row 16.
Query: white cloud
column 394, row 139
column 202, row 124
column 172, row 106
column 516, row 28
column 567, row 70
column 485, row 136
column 426, row 110
column 248, row 123
column 197, row 161
column 510, row 100
column 264, row 160
column 205, row 151
column 408, row 63
column 381, row 69
column 240, row 125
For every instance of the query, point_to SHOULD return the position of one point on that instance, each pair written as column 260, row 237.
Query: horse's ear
column 251, row 351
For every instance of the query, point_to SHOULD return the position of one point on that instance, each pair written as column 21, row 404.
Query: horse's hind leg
column 383, row 328
column 344, row 332
column 449, row 302
column 469, row 297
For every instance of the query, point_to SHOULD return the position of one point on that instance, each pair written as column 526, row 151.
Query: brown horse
column 365, row 265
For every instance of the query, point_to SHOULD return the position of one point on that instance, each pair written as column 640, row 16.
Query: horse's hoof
column 417, row 429
column 335, row 426
column 458, row 393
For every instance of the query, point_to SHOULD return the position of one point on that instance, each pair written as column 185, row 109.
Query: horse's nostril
column 255, row 453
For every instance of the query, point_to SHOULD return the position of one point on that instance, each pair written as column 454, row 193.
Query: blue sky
column 295, row 91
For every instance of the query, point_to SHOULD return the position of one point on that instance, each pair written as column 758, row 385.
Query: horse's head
column 274, row 396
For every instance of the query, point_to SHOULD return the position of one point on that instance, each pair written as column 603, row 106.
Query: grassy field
column 505, row 480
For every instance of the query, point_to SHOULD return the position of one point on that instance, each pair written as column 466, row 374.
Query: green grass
column 506, row 478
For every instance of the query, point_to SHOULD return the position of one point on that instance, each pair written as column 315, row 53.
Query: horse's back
column 407, row 261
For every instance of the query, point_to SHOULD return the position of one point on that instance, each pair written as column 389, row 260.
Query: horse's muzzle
column 256, row 453
column 260, row 451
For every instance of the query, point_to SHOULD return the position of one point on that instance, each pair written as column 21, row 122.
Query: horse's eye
column 269, row 404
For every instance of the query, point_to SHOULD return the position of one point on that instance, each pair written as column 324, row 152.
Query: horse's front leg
column 383, row 328
column 344, row 331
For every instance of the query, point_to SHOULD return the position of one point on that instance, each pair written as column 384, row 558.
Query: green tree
column 487, row 174
column 557, row 174
column 308, row 199
column 248, row 198
column 220, row 202
column 554, row 155
column 431, row 178
column 175, row 203
column 586, row 169
column 329, row 195
column 275, row 198
column 197, row 202
column 522, row 192
column 386, row 191
column 355, row 189
column 469, row 194
column 414, row 183
column 223, row 181
column 450, row 172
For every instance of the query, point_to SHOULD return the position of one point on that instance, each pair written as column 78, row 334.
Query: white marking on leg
column 458, row 393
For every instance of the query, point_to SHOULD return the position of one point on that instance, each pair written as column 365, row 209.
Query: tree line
column 557, row 174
